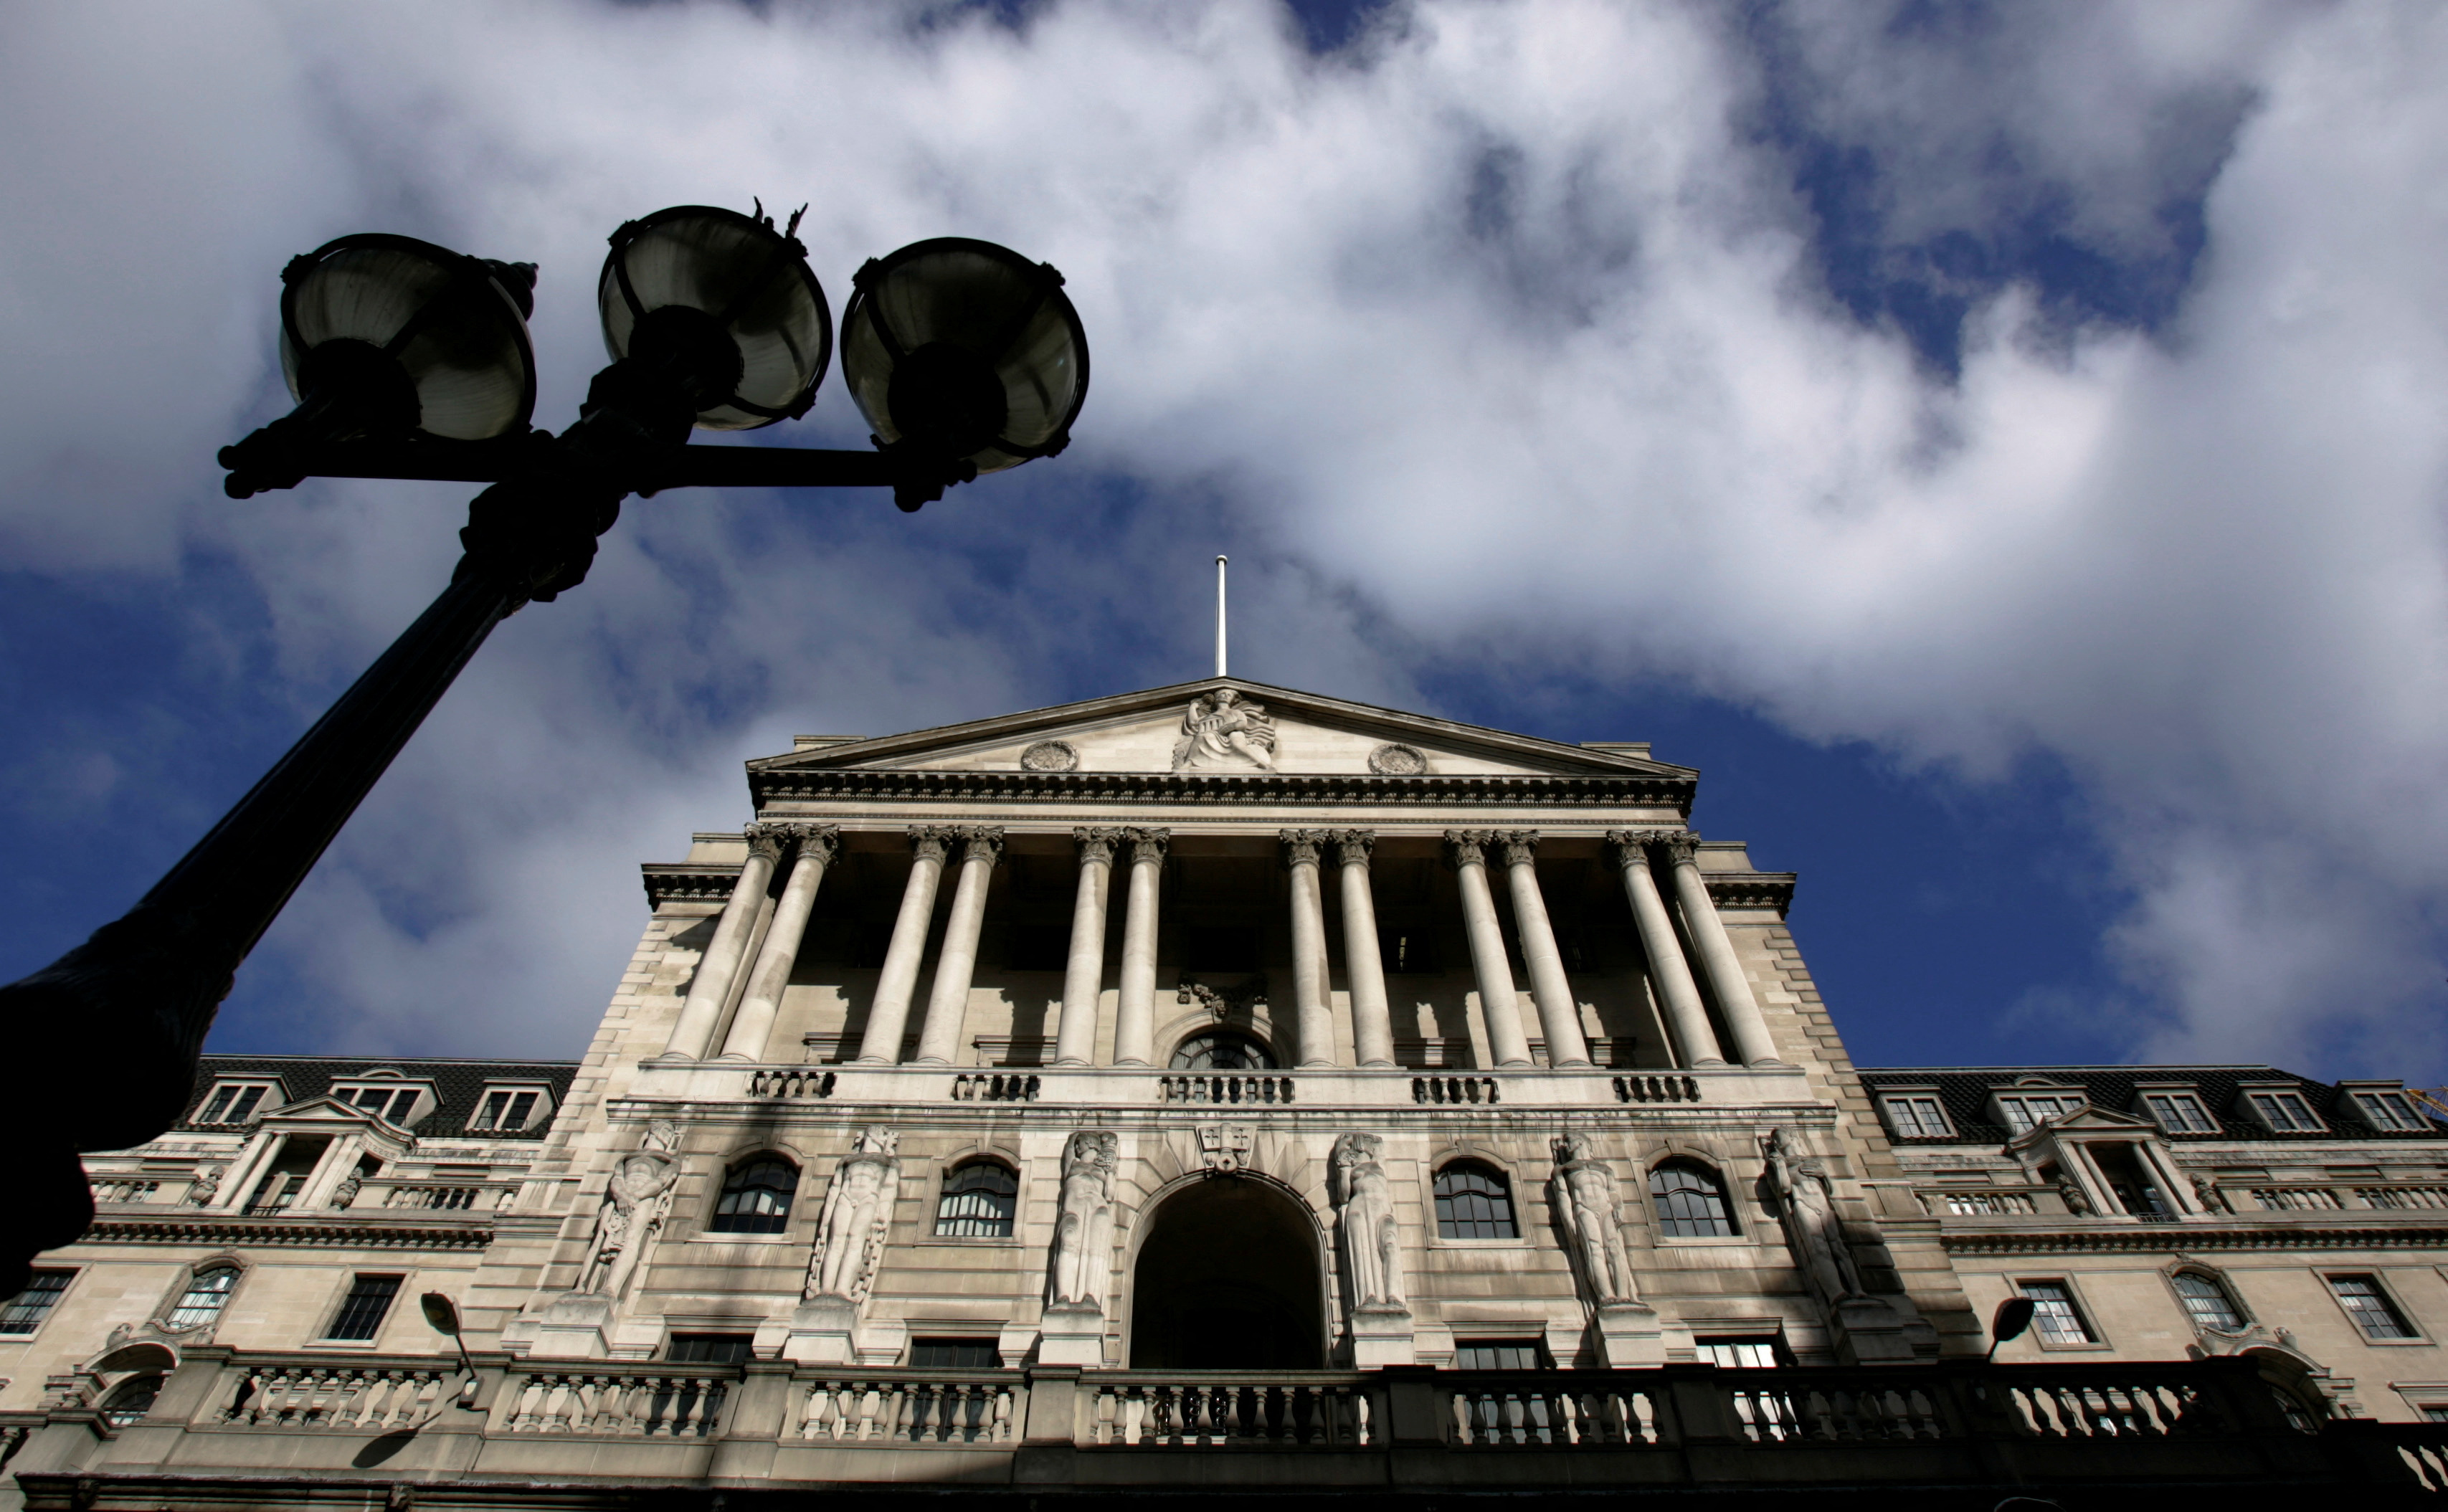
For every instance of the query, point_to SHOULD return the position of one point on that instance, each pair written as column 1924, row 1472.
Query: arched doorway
column 1228, row 1279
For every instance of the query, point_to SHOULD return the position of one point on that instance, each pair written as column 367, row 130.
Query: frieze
column 476, row 1235
column 2190, row 1237
column 870, row 784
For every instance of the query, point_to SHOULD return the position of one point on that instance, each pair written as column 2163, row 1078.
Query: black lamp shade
column 725, row 301
column 421, row 337
column 966, row 350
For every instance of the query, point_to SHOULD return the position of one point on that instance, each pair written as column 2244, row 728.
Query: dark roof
column 1964, row 1090
column 458, row 1084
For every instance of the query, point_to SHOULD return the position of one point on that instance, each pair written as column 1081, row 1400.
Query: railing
column 1657, row 1089
column 2110, row 1404
column 2402, row 1197
column 1224, row 1086
column 1549, row 1407
column 2296, row 1199
column 904, row 1408
column 614, row 1403
column 339, row 1397
column 807, row 1081
column 996, row 1087
column 450, row 1198
column 1479, row 1089
column 125, row 1190
column 1962, row 1203
column 1146, row 1410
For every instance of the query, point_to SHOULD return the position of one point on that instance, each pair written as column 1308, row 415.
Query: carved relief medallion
column 1391, row 760
column 1050, row 755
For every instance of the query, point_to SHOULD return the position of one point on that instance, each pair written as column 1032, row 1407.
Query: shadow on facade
column 1228, row 1279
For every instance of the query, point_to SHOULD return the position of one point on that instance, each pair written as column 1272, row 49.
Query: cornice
column 360, row 1235
column 804, row 784
column 2188, row 1238
column 689, row 881
column 1751, row 889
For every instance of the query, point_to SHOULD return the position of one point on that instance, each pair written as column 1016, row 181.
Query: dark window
column 2179, row 1112
column 1040, row 947
column 1405, row 951
column 207, row 1293
column 1690, row 1202
column 1499, row 1354
column 2286, row 1112
column 1222, row 1051
column 710, row 1349
column 231, row 1103
column 955, row 1354
column 2389, row 1111
column 2054, row 1314
column 1473, row 1202
column 2434, row 1412
column 2208, row 1303
column 2370, row 1308
column 132, row 1401
column 363, row 1310
column 24, row 1313
column 273, row 1194
column 1917, row 1117
column 756, row 1196
column 1220, row 948
column 386, row 1103
column 1745, row 1352
column 506, row 1110
column 978, row 1202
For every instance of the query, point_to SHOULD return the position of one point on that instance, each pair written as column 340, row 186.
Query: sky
column 2004, row 447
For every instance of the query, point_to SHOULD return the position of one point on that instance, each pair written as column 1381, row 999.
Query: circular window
column 1222, row 1051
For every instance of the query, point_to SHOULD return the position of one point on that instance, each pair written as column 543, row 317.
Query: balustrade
column 1772, row 1413
column 1657, row 1089
column 1548, row 1408
column 2110, row 1404
column 450, row 1199
column 1444, row 1089
column 796, row 1081
column 1170, row 1413
column 995, row 1088
column 351, row 1398
column 2402, row 1197
column 2296, row 1199
column 1979, row 1204
column 122, row 1190
column 1212, row 1086
column 909, row 1409
column 615, row 1404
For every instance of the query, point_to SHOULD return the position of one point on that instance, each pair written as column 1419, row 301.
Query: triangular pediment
column 1227, row 727
column 322, row 1107
column 2091, row 1117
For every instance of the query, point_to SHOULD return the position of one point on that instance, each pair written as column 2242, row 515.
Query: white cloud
column 1507, row 329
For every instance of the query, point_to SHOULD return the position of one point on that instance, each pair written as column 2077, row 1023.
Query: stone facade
column 1016, row 1083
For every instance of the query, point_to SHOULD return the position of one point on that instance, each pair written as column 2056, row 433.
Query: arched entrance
column 1228, row 1279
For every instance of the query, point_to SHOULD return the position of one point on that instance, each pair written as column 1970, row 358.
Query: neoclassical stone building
column 1220, row 1087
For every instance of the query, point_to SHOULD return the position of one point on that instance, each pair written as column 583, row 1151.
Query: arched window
column 1222, row 1051
column 129, row 1402
column 1690, row 1202
column 1474, row 1202
column 208, row 1292
column 978, row 1202
column 2208, row 1303
column 756, row 1196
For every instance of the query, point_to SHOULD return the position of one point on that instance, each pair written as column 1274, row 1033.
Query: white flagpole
column 1219, row 615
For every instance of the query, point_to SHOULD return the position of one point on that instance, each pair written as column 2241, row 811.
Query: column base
column 1708, row 1059
column 670, row 1058
column 574, row 1326
column 1072, row 1333
column 926, row 1060
column 1381, row 1335
column 1868, row 1332
column 1628, row 1336
column 1771, row 1062
column 822, row 1332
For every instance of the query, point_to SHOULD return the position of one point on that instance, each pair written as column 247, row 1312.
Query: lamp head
column 2012, row 1320
column 441, row 1314
column 388, row 335
column 723, row 304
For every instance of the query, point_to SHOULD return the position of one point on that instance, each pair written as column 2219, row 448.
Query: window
column 2208, row 1304
column 978, row 1202
column 1473, row 1202
column 2434, row 1412
column 1751, row 1351
column 2370, row 1308
column 955, row 1354
column 207, row 1293
column 391, row 1103
column 2055, row 1315
column 1690, row 1202
column 2029, row 1110
column 2179, row 1113
column 2284, row 1112
column 756, row 1196
column 1917, row 1117
column 274, row 1193
column 1405, row 951
column 2392, row 1112
column 710, row 1349
column 1499, row 1354
column 24, row 1313
column 130, row 1401
column 363, row 1310
column 1222, row 1051
column 506, row 1109
column 232, row 1102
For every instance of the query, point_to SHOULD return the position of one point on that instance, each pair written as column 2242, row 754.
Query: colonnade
column 977, row 850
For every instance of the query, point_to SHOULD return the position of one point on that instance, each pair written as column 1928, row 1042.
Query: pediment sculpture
column 1224, row 732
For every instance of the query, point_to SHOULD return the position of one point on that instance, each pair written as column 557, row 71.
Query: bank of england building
column 1224, row 1089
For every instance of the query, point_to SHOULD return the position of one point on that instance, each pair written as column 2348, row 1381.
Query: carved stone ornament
column 1520, row 847
column 1301, row 847
column 1392, row 761
column 1222, row 1002
column 1583, row 1196
column 857, row 1214
column 766, row 840
column 1806, row 1201
column 1679, row 845
column 1364, row 1225
column 1097, row 845
column 206, row 1185
column 928, row 842
column 1465, row 848
column 1223, row 732
column 1050, row 755
column 637, row 1199
column 1149, row 845
column 822, row 841
column 982, row 843
column 1351, row 847
column 1224, row 1148
column 1081, row 1258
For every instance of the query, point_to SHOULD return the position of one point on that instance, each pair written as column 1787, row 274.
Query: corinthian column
column 720, row 966
column 1560, row 1016
column 1687, row 1022
column 1753, row 1046
column 753, row 1023
column 888, row 1015
column 1083, row 975
column 948, row 1005
column 1499, row 1005
column 1372, row 1021
column 1309, row 980
column 1134, row 1010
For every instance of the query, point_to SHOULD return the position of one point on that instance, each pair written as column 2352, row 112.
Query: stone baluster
column 1135, row 1011
column 1083, row 975
column 753, row 1023
column 1373, row 1021
column 948, row 1004
column 710, row 992
column 1499, row 1004
column 1311, row 983
column 1687, row 1020
column 888, row 1017
column 1744, row 1021
column 1560, row 1014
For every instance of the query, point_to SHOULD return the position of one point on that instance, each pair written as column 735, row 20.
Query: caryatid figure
column 1812, row 1229
column 1081, row 1256
column 1372, row 1239
column 857, row 1213
column 635, row 1201
column 1582, row 1195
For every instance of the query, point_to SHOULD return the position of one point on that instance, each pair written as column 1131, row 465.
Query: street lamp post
column 410, row 361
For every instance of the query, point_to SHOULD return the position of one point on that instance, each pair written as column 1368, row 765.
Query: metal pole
column 1219, row 615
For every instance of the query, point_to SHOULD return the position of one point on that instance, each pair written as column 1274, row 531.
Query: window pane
column 368, row 1302
column 521, row 1108
column 2370, row 1308
column 1690, row 1202
column 756, row 1198
column 2390, row 1111
column 2433, row 1413
column 491, row 1114
column 132, row 1401
column 955, row 1354
column 1222, row 1052
column 1499, row 1354
column 216, row 1105
column 2208, row 1303
column 711, row 1349
column 24, row 1313
column 2284, row 1110
column 2055, row 1315
column 1754, row 1352
column 1473, row 1203
column 978, row 1202
column 244, row 1107
column 204, row 1297
column 1917, row 1118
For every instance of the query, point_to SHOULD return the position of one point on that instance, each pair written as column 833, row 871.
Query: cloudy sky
column 2003, row 445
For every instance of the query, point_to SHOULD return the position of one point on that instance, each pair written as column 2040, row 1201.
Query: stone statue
column 858, row 1210
column 1582, row 1195
column 1221, row 731
column 1372, row 1240
column 2077, row 1201
column 206, row 1185
column 1807, row 1200
column 347, row 1191
column 1083, row 1228
column 2207, row 1193
column 637, row 1198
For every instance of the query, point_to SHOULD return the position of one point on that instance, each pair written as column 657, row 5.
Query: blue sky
column 2004, row 448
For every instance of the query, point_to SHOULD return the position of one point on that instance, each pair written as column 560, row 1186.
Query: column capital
column 823, row 841
column 1301, row 847
column 981, row 842
column 1681, row 845
column 1521, row 846
column 930, row 842
column 1468, row 848
column 1351, row 847
column 1097, row 845
column 1148, row 845
column 1636, row 844
column 766, row 840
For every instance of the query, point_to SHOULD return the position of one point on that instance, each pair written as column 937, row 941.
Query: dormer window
column 1916, row 1116
column 2284, row 1112
column 392, row 1103
column 506, row 1110
column 2389, row 1112
column 2024, row 1111
column 387, row 1096
column 233, row 1101
column 2179, row 1112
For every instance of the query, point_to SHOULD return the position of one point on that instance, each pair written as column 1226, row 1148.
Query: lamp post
column 410, row 361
